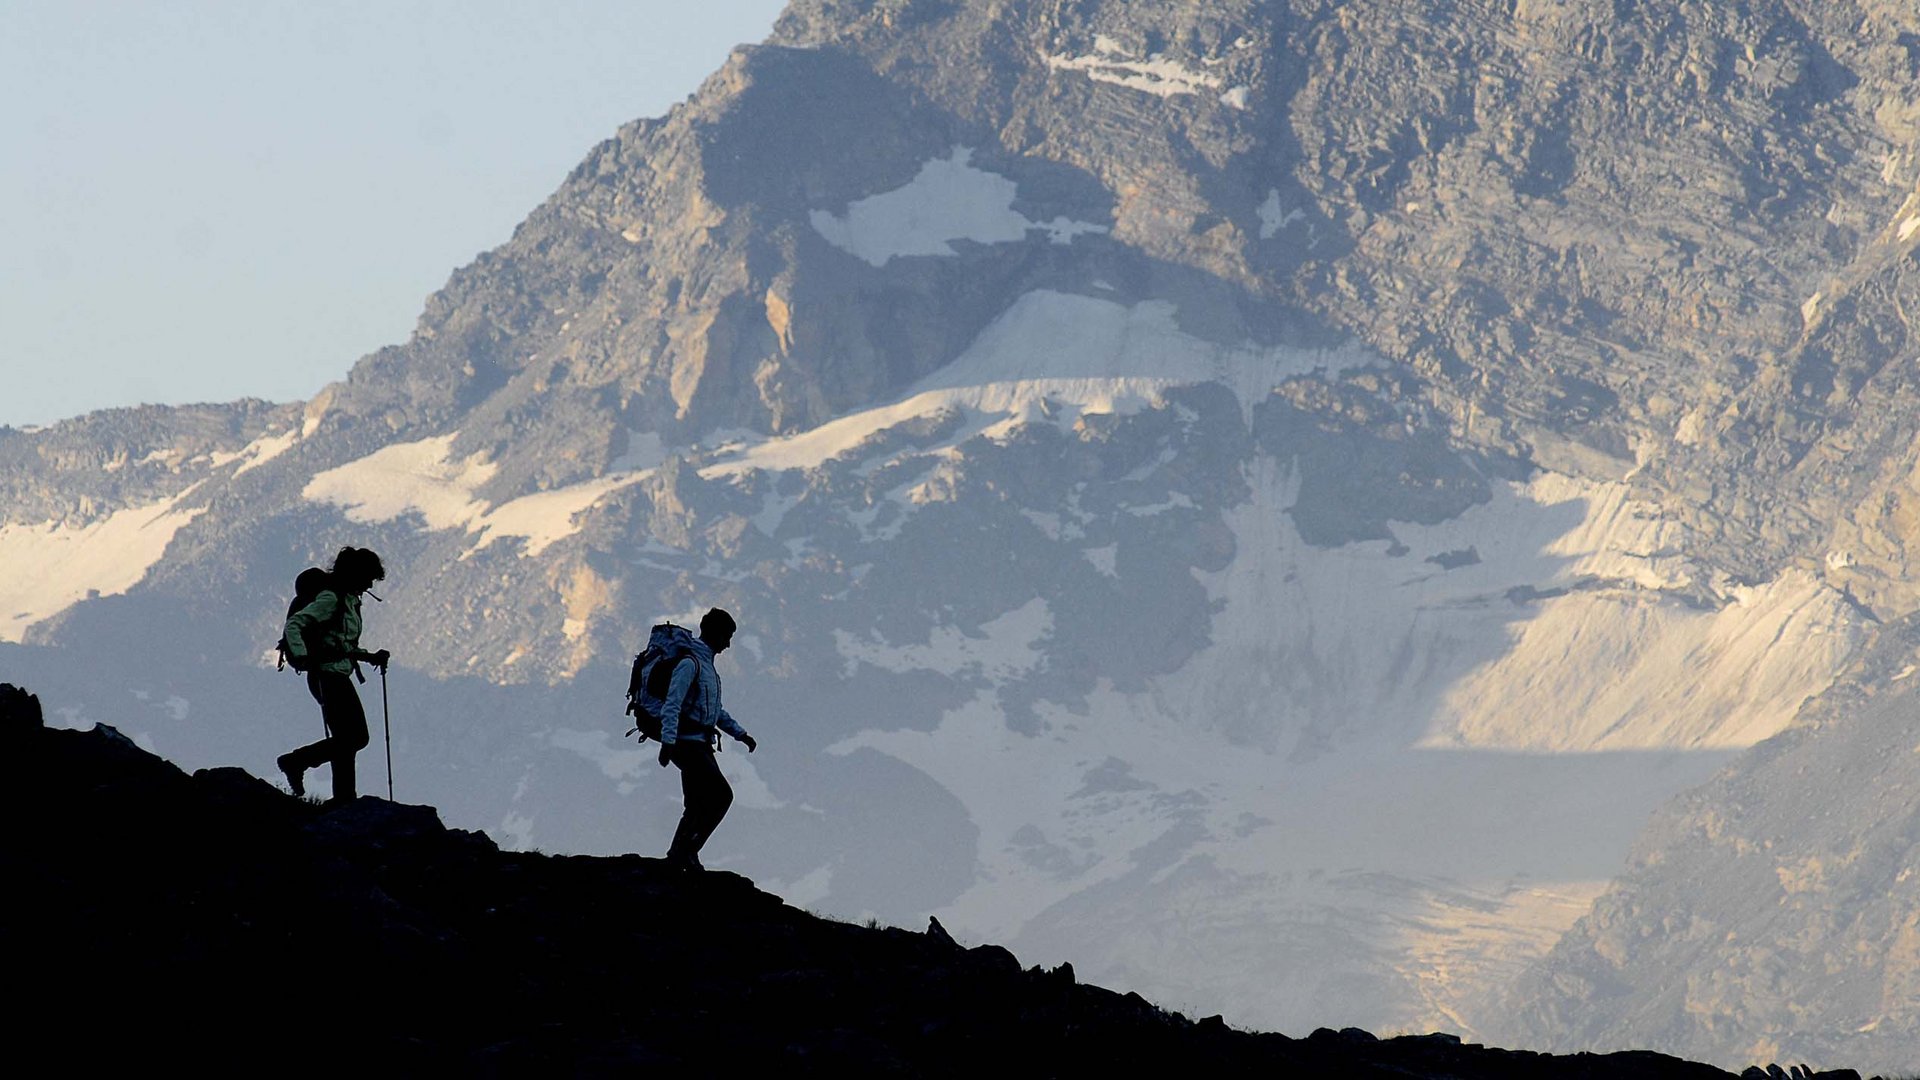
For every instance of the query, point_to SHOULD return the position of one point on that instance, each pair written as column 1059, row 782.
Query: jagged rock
column 939, row 934
column 991, row 959
column 19, row 711
column 373, row 822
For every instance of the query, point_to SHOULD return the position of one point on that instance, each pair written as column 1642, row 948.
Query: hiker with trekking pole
column 323, row 641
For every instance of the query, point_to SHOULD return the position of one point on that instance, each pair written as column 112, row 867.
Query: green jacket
column 324, row 635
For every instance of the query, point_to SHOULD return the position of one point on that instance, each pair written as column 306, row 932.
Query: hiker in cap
column 689, row 719
column 323, row 640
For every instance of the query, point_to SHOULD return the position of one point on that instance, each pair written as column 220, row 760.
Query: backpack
column 305, row 587
column 667, row 645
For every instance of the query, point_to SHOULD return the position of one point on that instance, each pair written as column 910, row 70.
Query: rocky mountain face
column 1770, row 912
column 225, row 922
column 1260, row 500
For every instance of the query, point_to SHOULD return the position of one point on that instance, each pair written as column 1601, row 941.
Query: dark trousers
column 346, row 730
column 706, row 793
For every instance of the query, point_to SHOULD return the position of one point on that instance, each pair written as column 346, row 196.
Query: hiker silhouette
column 689, row 719
column 323, row 640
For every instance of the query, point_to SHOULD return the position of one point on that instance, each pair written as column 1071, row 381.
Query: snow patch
column 773, row 510
column 1104, row 559
column 1566, row 636
column 415, row 477
column 948, row 200
column 1155, row 75
column 1050, row 358
column 1048, row 523
column 624, row 760
column 646, row 451
column 265, row 449
column 1909, row 226
column 1103, row 356
column 47, row 568
column 1273, row 218
column 1236, row 97
column 1811, row 308
column 422, row 478
column 1008, row 646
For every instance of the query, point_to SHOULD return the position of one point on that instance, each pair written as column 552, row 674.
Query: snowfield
column 1051, row 358
column 423, row 478
column 1482, row 765
column 948, row 200
column 51, row 567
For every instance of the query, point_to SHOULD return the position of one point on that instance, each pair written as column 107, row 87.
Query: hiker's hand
column 666, row 754
column 751, row 744
column 379, row 659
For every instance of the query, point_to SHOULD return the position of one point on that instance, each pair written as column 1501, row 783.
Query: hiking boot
column 296, row 776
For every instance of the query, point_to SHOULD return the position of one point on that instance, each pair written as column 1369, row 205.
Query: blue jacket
column 692, row 709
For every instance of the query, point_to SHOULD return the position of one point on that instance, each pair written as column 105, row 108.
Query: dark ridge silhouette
column 212, row 921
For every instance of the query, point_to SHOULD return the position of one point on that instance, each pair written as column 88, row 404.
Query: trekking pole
column 386, row 721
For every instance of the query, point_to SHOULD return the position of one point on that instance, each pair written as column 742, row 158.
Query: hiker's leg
column 314, row 753
column 683, row 834
column 708, row 796
column 347, row 727
column 310, row 755
column 683, row 842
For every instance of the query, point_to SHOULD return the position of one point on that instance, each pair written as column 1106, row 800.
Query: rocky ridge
column 223, row 923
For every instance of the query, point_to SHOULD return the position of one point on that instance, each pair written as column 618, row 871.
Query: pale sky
column 205, row 201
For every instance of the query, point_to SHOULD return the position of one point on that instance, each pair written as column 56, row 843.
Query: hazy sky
column 205, row 201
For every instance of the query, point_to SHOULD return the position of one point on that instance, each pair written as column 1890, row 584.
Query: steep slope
column 1771, row 912
column 1262, row 498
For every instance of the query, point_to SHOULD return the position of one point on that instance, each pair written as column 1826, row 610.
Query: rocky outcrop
column 20, row 712
column 80, row 470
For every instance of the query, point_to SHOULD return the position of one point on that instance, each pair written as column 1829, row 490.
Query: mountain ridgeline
column 225, row 924
column 1260, row 500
